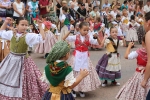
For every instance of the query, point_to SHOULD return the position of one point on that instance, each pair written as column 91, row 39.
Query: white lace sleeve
column 132, row 55
column 106, row 42
column 69, row 79
column 33, row 38
column 93, row 41
column 6, row 34
column 71, row 38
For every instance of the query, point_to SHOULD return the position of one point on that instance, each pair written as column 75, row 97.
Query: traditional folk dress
column 132, row 89
column 67, row 26
column 125, row 23
column 81, row 60
column 4, row 51
column 19, row 76
column 46, row 45
column 60, row 76
column 132, row 32
column 109, row 66
column 97, row 28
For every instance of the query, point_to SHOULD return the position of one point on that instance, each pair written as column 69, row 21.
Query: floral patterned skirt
column 32, row 87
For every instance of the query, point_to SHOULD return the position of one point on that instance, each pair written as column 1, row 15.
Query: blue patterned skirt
column 47, row 96
column 103, row 73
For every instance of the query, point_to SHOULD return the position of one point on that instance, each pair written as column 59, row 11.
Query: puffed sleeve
column 132, row 55
column 33, row 38
column 69, row 79
column 93, row 41
column 106, row 42
column 71, row 38
column 7, row 35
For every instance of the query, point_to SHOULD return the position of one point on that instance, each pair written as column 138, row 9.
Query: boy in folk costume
column 60, row 74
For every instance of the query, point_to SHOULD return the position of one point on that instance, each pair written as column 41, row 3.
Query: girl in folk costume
column 50, row 39
column 132, row 30
column 5, row 44
column 81, row 60
column 132, row 89
column 109, row 66
column 21, row 80
column 60, row 74
column 117, row 23
column 98, row 28
column 66, row 20
column 125, row 21
column 140, row 19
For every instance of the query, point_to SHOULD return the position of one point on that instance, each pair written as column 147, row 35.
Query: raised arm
column 64, row 38
column 128, row 50
column 41, row 29
column 4, row 26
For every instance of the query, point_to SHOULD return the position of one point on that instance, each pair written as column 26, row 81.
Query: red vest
column 82, row 46
column 140, row 62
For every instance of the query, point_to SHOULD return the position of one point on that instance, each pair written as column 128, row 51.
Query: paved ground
column 107, row 93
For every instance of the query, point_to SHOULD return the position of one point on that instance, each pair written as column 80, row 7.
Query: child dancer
column 60, row 74
column 125, row 21
column 98, row 28
column 66, row 20
column 50, row 40
column 132, row 30
column 109, row 66
column 81, row 60
column 21, row 80
column 132, row 89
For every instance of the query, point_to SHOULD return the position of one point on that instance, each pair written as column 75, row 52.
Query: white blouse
column 115, row 41
column 30, row 38
column 132, row 55
column 73, row 39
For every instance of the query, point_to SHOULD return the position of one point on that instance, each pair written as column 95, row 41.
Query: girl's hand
column 143, row 84
column 105, row 36
column 131, row 44
column 7, row 20
column 84, row 73
column 122, row 37
column 39, row 22
column 95, row 35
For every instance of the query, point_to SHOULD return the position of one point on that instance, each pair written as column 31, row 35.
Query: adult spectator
column 32, row 8
column 72, row 12
column 95, row 13
column 115, row 12
column 124, row 5
column 4, row 4
column 140, row 8
column 131, row 8
column 51, row 11
column 82, row 13
column 96, row 3
column 106, row 4
column 19, row 9
column 43, row 4
column 58, row 6
column 147, row 7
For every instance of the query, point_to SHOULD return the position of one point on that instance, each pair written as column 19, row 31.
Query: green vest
column 19, row 46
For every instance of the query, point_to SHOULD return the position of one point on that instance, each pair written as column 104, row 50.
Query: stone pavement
column 102, row 93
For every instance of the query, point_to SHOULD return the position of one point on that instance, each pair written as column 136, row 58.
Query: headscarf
column 59, row 50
